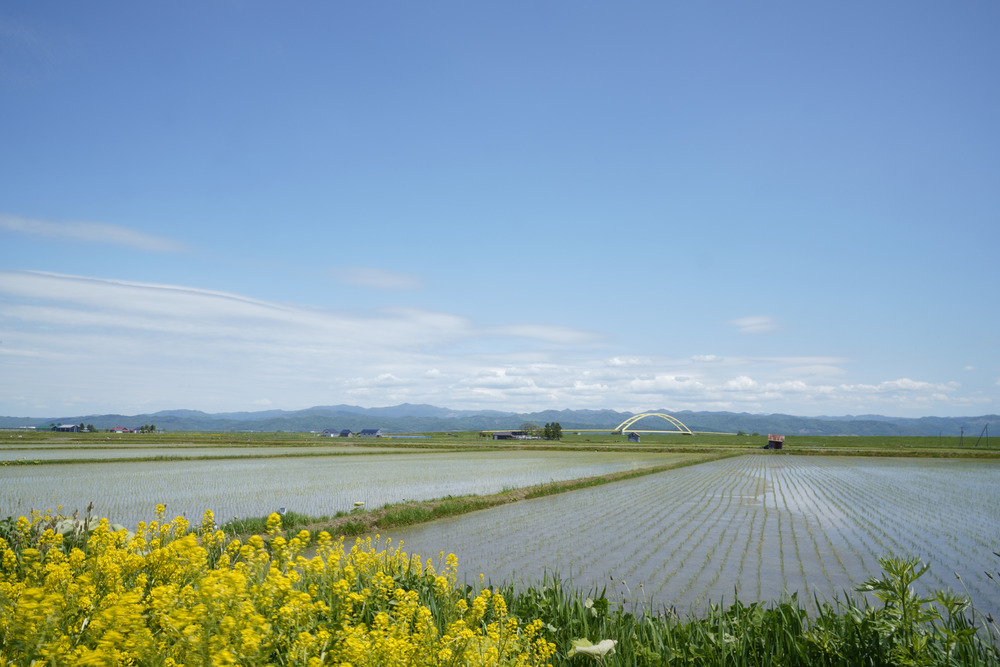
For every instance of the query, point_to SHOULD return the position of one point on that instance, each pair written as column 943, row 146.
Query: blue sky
column 762, row 207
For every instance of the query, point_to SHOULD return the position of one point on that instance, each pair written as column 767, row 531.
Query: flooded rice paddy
column 53, row 453
column 755, row 527
column 128, row 492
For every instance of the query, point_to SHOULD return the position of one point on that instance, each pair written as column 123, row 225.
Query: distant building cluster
column 347, row 433
column 80, row 428
column 513, row 435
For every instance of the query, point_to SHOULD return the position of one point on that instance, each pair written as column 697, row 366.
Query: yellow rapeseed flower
column 167, row 595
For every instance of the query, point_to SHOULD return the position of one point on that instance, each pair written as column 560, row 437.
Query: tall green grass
column 901, row 628
column 408, row 515
column 258, row 525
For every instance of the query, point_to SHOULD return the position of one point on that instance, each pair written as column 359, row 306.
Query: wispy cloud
column 902, row 385
column 374, row 278
column 547, row 332
column 153, row 338
column 19, row 35
column 754, row 324
column 130, row 346
column 89, row 232
column 27, row 52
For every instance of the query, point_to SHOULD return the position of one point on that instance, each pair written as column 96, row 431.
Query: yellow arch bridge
column 627, row 424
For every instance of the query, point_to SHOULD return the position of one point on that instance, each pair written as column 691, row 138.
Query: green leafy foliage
column 906, row 629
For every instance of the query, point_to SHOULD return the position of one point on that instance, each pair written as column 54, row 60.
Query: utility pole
column 986, row 430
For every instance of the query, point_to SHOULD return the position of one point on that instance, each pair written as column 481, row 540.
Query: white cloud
column 199, row 345
column 626, row 361
column 500, row 378
column 901, row 385
column 668, row 384
column 741, row 383
column 375, row 278
column 806, row 361
column 754, row 324
column 127, row 346
column 89, row 232
column 579, row 386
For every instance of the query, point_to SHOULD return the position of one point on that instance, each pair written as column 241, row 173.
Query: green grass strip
column 410, row 513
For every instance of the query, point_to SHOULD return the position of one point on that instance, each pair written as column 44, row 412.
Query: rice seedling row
column 811, row 553
column 827, row 554
column 757, row 526
column 685, row 548
column 888, row 524
column 713, row 529
column 893, row 523
column 318, row 486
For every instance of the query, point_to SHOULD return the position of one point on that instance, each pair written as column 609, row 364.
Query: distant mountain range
column 409, row 418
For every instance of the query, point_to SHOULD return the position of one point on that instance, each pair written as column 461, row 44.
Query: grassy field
column 465, row 439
